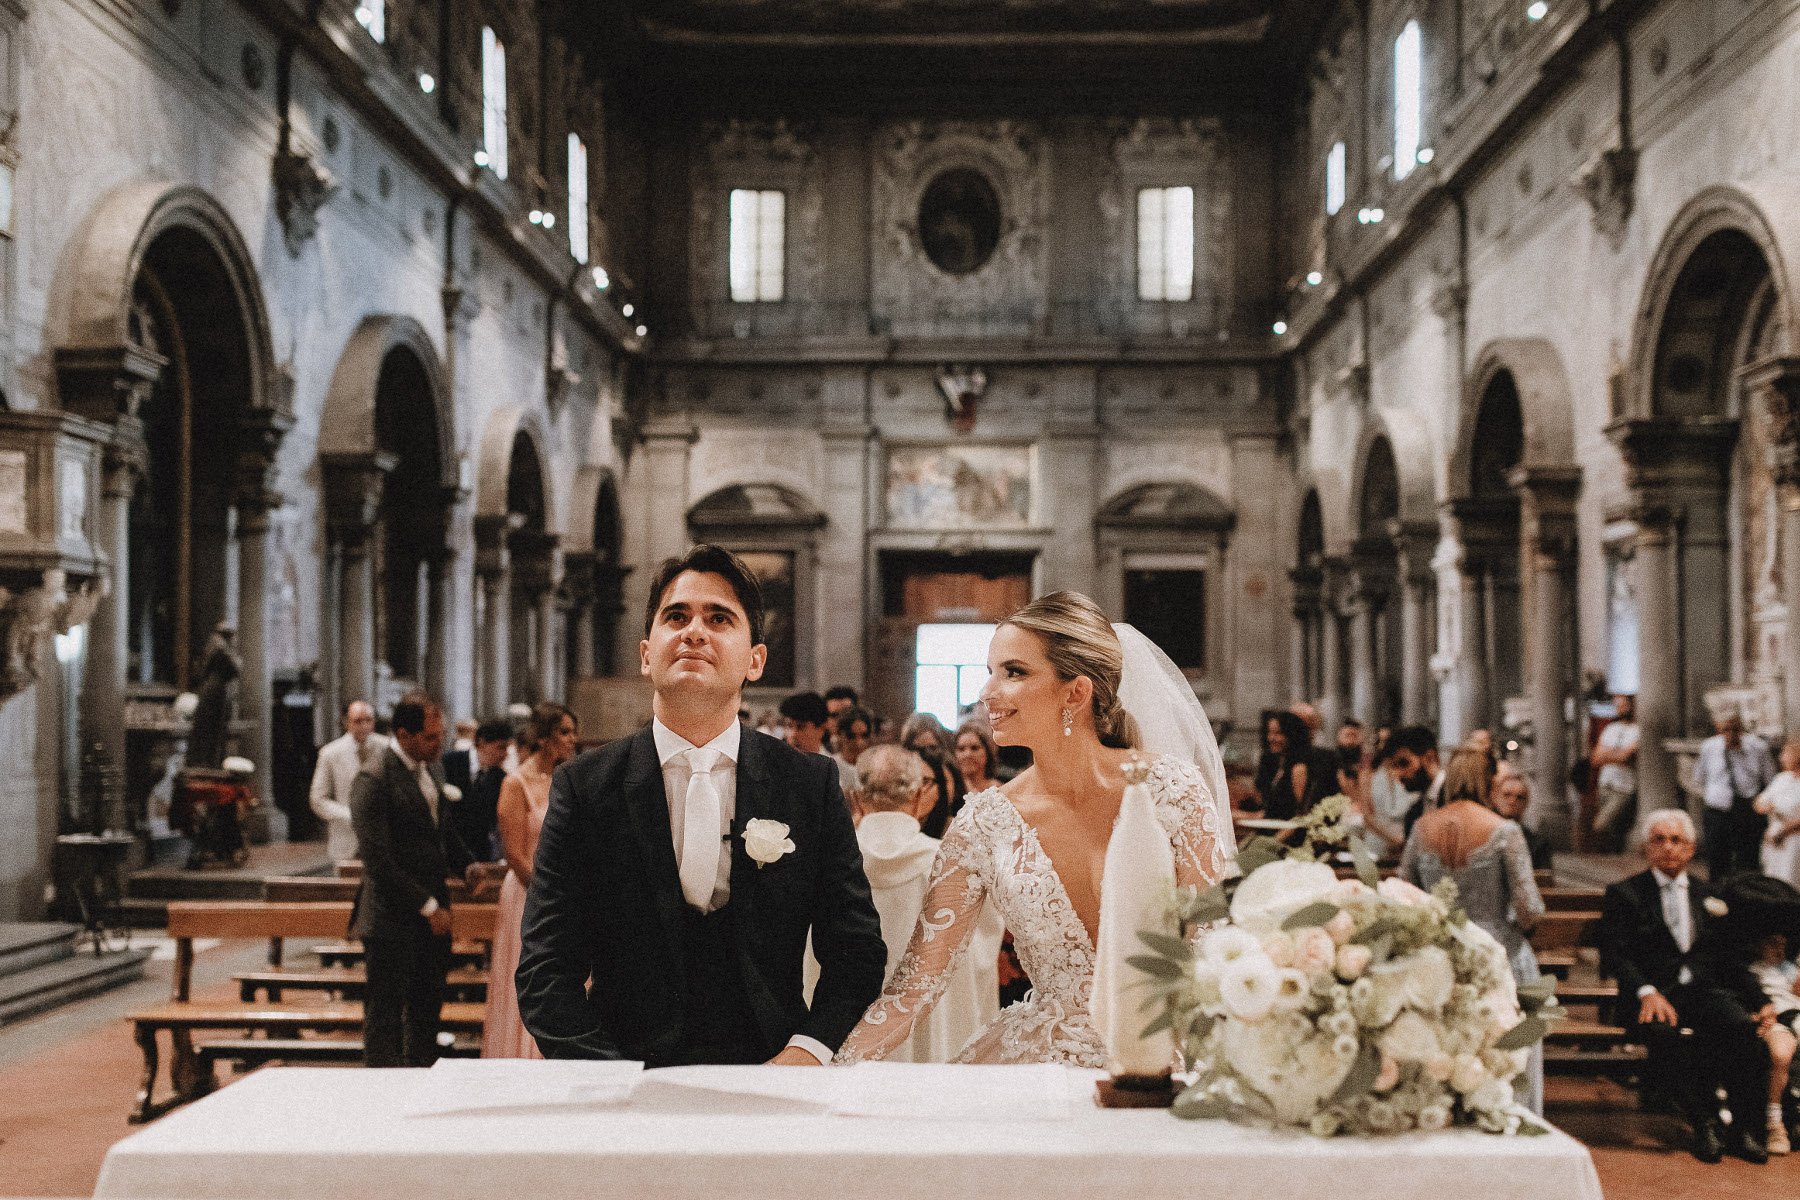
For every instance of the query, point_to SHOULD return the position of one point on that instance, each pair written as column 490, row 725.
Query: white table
column 319, row 1132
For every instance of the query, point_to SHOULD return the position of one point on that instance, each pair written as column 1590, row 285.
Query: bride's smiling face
column 1024, row 698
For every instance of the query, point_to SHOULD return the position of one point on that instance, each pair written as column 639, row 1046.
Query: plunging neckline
column 1088, row 938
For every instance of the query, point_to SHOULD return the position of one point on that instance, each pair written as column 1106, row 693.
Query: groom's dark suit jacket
column 606, row 904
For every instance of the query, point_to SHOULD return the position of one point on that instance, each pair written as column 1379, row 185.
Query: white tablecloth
column 323, row 1132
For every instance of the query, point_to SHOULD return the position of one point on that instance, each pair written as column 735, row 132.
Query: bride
column 1059, row 682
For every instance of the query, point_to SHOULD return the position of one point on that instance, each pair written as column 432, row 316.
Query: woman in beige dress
column 524, row 798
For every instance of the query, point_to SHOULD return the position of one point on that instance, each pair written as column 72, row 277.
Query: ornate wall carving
column 753, row 154
column 910, row 296
column 1160, row 152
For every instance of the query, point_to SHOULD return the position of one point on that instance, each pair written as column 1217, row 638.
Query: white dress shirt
column 427, row 785
column 339, row 762
column 1678, row 915
column 1723, row 775
column 671, row 752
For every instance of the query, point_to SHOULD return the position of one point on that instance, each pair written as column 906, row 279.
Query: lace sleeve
column 947, row 920
column 1187, row 813
column 1521, row 879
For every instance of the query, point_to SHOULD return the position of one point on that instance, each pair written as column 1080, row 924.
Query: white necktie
column 1675, row 913
column 427, row 790
column 700, row 830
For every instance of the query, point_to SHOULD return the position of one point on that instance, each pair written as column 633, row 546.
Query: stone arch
column 1714, row 211
column 593, row 570
column 347, row 424
column 91, row 303
column 494, row 458
column 1546, row 406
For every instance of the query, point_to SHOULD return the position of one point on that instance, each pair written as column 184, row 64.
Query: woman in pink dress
column 524, row 798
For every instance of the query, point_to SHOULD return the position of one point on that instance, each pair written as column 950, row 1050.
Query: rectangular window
column 1334, row 180
column 950, row 667
column 758, row 237
column 1166, row 243
column 1408, row 99
column 493, row 101
column 578, row 199
column 1169, row 608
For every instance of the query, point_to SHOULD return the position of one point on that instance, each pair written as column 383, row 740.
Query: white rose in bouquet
column 1380, row 1001
column 1401, row 892
column 1429, row 978
column 1273, row 893
column 1223, row 946
column 1411, row 1039
column 1248, row 986
column 1293, row 1072
column 1314, row 951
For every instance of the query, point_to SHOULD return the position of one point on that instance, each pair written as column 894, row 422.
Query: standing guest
column 1780, row 803
column 1654, row 939
column 840, row 699
column 1510, row 796
column 524, row 799
column 945, row 784
column 402, row 909
column 897, row 858
column 923, row 729
column 977, row 757
column 1616, row 756
column 1285, row 773
column 465, row 740
column 852, row 731
column 471, row 828
column 806, row 718
column 340, row 760
column 1486, row 855
column 1734, row 769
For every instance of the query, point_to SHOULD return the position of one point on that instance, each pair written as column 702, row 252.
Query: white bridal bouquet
column 1343, row 1005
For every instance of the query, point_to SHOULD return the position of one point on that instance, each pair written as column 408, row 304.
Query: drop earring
column 1068, row 723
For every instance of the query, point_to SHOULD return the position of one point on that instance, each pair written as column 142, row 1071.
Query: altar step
column 40, row 968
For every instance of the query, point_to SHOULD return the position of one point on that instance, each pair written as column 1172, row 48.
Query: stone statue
column 219, row 669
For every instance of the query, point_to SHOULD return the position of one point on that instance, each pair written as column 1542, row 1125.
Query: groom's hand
column 794, row 1056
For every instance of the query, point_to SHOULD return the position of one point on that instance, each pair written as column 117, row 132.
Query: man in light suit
column 340, row 761
column 402, row 910
column 680, row 869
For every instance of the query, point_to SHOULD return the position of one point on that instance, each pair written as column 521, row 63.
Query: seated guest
column 1412, row 762
column 1286, row 774
column 891, row 797
column 471, row 830
column 402, row 909
column 806, row 717
column 1775, row 971
column 1653, row 938
column 840, row 699
column 924, row 730
column 1510, row 796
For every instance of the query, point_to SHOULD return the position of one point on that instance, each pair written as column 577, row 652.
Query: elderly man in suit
column 1700, row 1017
column 402, row 910
column 340, row 761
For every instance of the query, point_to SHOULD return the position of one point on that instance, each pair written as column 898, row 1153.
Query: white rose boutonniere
column 452, row 793
column 766, row 841
column 1715, row 906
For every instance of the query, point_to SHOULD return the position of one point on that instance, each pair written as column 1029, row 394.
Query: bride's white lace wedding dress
column 989, row 851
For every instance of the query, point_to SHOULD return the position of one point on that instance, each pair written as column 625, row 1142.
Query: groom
column 668, row 914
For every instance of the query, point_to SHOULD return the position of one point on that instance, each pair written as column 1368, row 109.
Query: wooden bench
column 190, row 1075
column 350, row 954
column 285, row 889
column 1568, row 899
column 347, row 983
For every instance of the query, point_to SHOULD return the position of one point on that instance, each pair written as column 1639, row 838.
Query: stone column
column 1776, row 383
column 578, row 595
column 259, row 440
column 441, row 587
column 1249, row 602
column 1331, row 703
column 1413, row 548
column 1361, row 614
column 353, row 484
column 842, row 626
column 1547, row 553
column 1303, row 642
column 109, row 633
column 493, row 570
column 549, row 672
column 1659, row 666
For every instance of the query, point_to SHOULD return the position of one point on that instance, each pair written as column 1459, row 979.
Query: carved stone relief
column 1157, row 152
column 753, row 154
column 1005, row 294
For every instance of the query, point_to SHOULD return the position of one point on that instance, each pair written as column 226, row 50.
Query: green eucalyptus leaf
column 1152, row 964
column 1259, row 852
column 1168, row 946
column 1319, row 912
column 1164, row 1020
column 1194, row 1104
column 1363, row 1073
column 1531, row 1129
column 1526, row 1033
column 1365, row 864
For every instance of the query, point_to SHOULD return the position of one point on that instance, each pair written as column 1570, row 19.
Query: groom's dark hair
column 711, row 560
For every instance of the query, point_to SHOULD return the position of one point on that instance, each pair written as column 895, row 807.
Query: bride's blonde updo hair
column 1079, row 640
